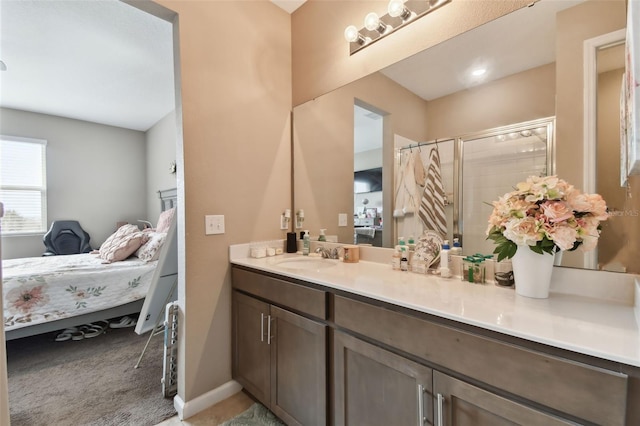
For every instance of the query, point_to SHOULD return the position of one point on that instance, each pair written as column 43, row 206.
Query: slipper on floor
column 66, row 334
column 92, row 330
column 124, row 322
column 77, row 335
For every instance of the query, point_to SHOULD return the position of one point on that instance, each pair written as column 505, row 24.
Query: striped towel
column 432, row 204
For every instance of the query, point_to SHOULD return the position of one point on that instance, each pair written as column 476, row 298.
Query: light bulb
column 395, row 8
column 351, row 33
column 371, row 21
column 479, row 72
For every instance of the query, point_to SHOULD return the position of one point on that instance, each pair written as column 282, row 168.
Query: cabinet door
column 375, row 387
column 251, row 352
column 298, row 368
column 462, row 404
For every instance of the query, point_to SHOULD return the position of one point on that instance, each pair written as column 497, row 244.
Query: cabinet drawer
column 590, row 393
column 297, row 297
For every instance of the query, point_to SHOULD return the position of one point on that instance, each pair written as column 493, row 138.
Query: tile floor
column 222, row 411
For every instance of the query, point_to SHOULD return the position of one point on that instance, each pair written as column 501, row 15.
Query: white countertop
column 601, row 328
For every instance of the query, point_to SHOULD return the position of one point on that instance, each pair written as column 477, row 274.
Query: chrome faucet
column 328, row 253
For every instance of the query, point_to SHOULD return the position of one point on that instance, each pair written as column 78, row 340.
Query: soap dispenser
column 322, row 237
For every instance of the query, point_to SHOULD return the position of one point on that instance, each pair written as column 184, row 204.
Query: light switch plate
column 214, row 224
column 342, row 219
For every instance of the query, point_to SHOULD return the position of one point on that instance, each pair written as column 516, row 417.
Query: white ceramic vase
column 532, row 272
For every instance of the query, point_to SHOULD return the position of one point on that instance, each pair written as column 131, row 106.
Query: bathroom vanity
column 320, row 342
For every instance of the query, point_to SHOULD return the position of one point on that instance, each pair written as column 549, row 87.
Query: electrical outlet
column 342, row 219
column 214, row 224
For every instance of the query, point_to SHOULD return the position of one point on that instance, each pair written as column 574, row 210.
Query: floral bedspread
column 40, row 289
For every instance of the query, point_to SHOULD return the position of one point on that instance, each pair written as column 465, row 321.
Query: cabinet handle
column 421, row 418
column 440, row 416
column 261, row 327
column 269, row 319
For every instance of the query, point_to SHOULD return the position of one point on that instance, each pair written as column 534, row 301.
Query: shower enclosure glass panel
column 493, row 162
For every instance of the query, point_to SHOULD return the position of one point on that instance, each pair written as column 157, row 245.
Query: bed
column 50, row 293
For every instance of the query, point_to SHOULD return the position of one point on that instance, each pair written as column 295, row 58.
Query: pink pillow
column 150, row 250
column 164, row 221
column 122, row 243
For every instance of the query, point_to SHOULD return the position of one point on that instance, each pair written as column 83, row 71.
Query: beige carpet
column 87, row 382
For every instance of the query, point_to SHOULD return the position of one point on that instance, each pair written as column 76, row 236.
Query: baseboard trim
column 201, row 403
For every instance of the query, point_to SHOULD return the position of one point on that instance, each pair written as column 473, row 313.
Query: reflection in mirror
column 516, row 88
column 616, row 189
column 424, row 188
column 492, row 163
column 368, row 198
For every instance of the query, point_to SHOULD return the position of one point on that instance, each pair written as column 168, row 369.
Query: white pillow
column 164, row 220
column 150, row 250
column 122, row 243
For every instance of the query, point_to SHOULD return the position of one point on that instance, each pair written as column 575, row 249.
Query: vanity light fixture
column 398, row 15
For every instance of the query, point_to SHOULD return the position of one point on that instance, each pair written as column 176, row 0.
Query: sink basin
column 306, row 264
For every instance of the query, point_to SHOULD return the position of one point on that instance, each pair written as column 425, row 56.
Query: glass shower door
column 492, row 163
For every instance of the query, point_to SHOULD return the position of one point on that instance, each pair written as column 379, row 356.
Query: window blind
column 23, row 185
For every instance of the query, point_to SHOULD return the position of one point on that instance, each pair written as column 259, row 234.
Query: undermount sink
column 306, row 263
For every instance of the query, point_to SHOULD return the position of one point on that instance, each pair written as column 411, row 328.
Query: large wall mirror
column 431, row 97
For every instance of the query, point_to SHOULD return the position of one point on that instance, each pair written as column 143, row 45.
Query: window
column 23, row 185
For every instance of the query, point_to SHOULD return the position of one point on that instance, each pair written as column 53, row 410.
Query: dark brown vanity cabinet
column 531, row 387
column 458, row 403
column 375, row 387
column 280, row 356
column 298, row 346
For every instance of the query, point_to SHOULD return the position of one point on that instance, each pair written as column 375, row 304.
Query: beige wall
column 321, row 61
column 236, row 100
column 619, row 240
column 606, row 16
column 525, row 96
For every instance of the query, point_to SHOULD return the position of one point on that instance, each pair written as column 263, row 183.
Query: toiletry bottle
column 455, row 258
column 306, row 243
column 456, row 250
column 404, row 261
column 395, row 259
column 444, row 260
column 322, row 237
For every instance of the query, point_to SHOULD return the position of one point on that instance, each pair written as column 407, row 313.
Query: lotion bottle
column 444, row 260
column 306, row 243
column 404, row 261
column 395, row 260
column 322, row 237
